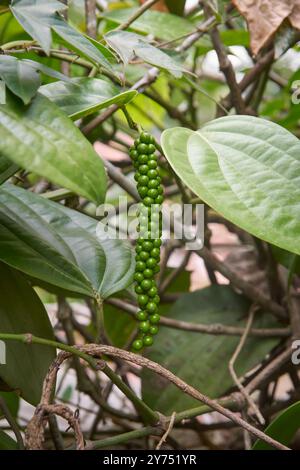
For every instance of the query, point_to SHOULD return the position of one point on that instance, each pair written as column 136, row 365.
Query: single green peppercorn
column 154, row 318
column 152, row 292
column 146, row 285
column 138, row 289
column 143, row 159
column 134, row 154
column 143, row 180
column 142, row 148
column 153, row 330
column 145, row 138
column 147, row 245
column 143, row 191
column 144, row 326
column 156, row 299
column 148, row 341
column 150, row 173
column 151, row 263
column 152, row 193
column 143, row 169
column 152, row 164
column 138, row 277
column 153, row 183
column 138, row 344
column 142, row 299
column 141, row 315
column 159, row 199
column 155, row 253
column 148, row 201
column 151, row 148
column 151, row 307
column 144, row 255
column 140, row 265
column 148, row 273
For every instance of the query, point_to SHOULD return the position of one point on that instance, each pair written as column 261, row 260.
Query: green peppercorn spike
column 149, row 187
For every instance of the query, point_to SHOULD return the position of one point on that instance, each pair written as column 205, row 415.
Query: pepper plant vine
column 100, row 100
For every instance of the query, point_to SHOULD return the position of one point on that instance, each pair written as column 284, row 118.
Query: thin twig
column 169, row 429
column 136, row 15
column 210, row 329
column 233, row 359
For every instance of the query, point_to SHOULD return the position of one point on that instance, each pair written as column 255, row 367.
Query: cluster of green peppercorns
column 148, row 245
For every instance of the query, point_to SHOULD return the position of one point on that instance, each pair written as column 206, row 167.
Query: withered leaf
column 264, row 18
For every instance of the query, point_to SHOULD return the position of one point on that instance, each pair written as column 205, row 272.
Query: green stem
column 23, row 44
column 155, row 431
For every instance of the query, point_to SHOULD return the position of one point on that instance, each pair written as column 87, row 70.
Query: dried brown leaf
column 264, row 18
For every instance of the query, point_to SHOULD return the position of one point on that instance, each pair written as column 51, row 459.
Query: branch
column 136, row 15
column 248, row 289
column 228, row 71
column 210, row 329
column 86, row 353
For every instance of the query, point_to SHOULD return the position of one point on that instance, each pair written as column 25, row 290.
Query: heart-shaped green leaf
column 60, row 246
column 42, row 139
column 247, row 169
column 84, row 96
column 21, row 311
column 200, row 359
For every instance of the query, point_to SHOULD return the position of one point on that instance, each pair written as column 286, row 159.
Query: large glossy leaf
column 60, row 246
column 42, row 139
column 84, row 96
column 22, row 77
column 127, row 45
column 283, row 428
column 39, row 17
column 21, row 311
column 7, row 169
column 161, row 25
column 247, row 169
column 199, row 359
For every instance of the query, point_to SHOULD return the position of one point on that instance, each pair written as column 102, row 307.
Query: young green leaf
column 84, row 96
column 21, row 311
column 41, row 138
column 61, row 247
